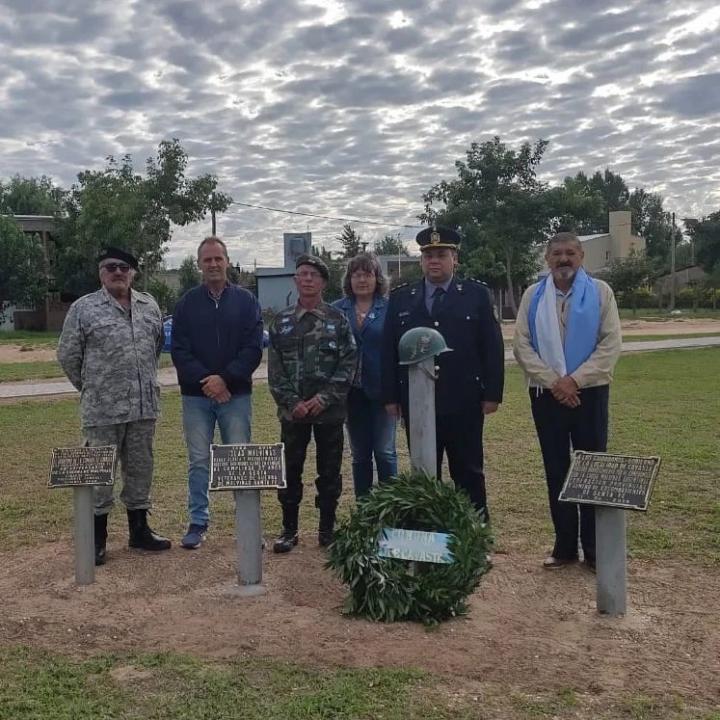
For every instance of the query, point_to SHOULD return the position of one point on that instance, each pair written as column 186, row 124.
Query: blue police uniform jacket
column 369, row 341
column 473, row 372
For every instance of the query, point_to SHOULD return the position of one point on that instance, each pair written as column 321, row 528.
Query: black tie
column 437, row 299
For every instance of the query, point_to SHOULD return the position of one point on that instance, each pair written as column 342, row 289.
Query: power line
column 326, row 217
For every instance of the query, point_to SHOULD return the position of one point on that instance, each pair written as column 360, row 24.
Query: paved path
column 167, row 377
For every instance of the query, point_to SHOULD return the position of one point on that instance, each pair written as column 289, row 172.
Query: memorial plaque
column 416, row 545
column 247, row 467
column 622, row 481
column 73, row 467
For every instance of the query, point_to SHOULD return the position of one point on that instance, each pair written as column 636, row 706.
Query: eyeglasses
column 113, row 267
column 304, row 275
column 362, row 275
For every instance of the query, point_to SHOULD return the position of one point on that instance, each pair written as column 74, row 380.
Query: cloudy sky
column 354, row 108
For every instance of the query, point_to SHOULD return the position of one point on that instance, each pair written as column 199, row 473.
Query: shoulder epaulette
column 400, row 287
column 477, row 282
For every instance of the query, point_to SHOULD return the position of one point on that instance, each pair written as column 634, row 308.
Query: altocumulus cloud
column 355, row 107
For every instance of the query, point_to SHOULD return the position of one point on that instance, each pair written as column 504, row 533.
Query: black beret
column 438, row 237
column 113, row 253
column 316, row 262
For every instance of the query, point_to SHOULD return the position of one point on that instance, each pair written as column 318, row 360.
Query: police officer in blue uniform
column 470, row 379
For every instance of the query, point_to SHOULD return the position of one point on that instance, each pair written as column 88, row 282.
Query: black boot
column 288, row 538
column 141, row 535
column 326, row 531
column 100, row 539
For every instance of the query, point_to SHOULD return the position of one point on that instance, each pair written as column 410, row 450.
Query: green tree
column 164, row 295
column 705, row 234
column 350, row 241
column 336, row 269
column 501, row 207
column 610, row 192
column 22, row 262
column 628, row 275
column 116, row 206
column 30, row 196
column 189, row 274
column 652, row 222
column 390, row 245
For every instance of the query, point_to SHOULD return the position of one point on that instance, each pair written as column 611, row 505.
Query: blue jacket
column 216, row 338
column 369, row 342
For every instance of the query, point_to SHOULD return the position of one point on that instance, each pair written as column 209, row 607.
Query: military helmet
column 420, row 343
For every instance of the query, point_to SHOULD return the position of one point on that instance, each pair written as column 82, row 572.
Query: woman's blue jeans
column 372, row 433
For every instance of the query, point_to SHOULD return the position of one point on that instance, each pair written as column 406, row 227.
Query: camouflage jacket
column 110, row 355
column 312, row 352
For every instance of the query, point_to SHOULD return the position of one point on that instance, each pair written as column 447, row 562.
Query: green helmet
column 420, row 343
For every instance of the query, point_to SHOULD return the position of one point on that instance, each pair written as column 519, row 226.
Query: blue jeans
column 372, row 432
column 199, row 417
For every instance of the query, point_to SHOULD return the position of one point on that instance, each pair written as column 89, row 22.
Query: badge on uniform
column 330, row 327
column 285, row 329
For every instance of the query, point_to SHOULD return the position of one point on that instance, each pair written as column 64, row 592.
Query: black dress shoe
column 325, row 537
column 287, row 540
column 100, row 555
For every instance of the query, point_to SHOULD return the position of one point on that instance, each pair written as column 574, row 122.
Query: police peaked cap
column 438, row 237
column 315, row 262
column 113, row 253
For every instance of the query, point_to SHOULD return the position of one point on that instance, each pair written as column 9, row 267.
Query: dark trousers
column 561, row 429
column 460, row 437
column 329, row 450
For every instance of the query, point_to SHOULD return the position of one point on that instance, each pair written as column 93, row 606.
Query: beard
column 565, row 272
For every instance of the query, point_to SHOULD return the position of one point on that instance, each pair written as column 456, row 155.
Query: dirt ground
column 677, row 326
column 528, row 629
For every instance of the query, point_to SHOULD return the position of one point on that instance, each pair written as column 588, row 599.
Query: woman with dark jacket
column 371, row 429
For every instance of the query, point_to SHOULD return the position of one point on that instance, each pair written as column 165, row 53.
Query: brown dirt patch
column 24, row 353
column 527, row 629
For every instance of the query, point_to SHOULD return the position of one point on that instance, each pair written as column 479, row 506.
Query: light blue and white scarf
column 583, row 324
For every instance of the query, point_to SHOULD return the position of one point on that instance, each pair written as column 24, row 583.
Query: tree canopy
column 22, row 280
column 501, row 207
column 119, row 207
column 706, row 236
column 30, row 196
column 390, row 245
column 350, row 241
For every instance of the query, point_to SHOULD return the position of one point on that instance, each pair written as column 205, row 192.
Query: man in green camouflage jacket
column 109, row 349
column 311, row 365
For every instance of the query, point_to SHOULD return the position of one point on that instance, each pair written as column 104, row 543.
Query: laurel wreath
column 388, row 589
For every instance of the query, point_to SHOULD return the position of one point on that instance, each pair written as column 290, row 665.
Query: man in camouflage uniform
column 109, row 348
column 311, row 365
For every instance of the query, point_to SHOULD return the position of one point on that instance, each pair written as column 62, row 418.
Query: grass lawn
column 28, row 337
column 654, row 313
column 38, row 370
column 663, row 403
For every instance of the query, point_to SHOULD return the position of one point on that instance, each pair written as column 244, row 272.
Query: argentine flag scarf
column 582, row 329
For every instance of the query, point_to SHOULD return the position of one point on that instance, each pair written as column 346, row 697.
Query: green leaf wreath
column 389, row 589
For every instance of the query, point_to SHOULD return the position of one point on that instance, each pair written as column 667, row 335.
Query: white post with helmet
column 417, row 349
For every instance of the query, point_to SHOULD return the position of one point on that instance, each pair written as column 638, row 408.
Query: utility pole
column 672, row 265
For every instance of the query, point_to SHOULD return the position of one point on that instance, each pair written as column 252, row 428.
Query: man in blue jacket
column 216, row 347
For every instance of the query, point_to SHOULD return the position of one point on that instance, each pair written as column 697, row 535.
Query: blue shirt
column 430, row 289
column 369, row 341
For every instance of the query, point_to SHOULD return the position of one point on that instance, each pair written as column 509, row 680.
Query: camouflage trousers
column 134, row 442
column 329, row 450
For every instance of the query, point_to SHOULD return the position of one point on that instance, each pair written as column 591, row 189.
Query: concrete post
column 248, row 536
column 423, row 449
column 84, row 526
column 611, row 560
